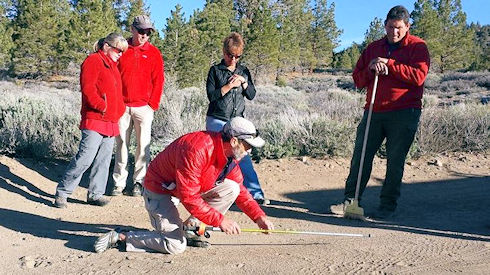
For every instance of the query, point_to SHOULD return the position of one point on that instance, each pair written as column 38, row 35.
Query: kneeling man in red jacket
column 200, row 169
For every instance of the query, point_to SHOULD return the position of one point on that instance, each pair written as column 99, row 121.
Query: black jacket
column 232, row 104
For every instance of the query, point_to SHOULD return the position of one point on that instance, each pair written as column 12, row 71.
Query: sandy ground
column 442, row 224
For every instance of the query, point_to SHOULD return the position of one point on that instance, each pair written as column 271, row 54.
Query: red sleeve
column 245, row 200
column 416, row 70
column 88, row 83
column 188, row 172
column 362, row 75
column 158, row 79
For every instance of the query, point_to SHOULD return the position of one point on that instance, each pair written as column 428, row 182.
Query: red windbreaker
column 193, row 162
column 408, row 66
column 100, row 82
column 142, row 75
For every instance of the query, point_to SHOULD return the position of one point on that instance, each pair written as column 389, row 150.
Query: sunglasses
column 115, row 48
column 233, row 56
column 144, row 31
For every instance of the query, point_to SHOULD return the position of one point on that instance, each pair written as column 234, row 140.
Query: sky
column 352, row 16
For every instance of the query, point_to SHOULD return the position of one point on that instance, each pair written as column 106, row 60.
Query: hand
column 236, row 80
column 379, row 66
column 264, row 223
column 229, row 227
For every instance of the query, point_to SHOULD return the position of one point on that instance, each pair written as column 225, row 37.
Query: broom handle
column 364, row 142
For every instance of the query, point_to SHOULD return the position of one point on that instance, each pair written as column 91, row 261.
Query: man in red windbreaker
column 141, row 68
column 402, row 62
column 200, row 169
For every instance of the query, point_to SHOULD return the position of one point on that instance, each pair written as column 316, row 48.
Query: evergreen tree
column 347, row 58
column 482, row 47
column 442, row 24
column 325, row 33
column 262, row 49
column 214, row 24
column 6, row 31
column 40, row 37
column 289, row 25
column 92, row 20
column 173, row 39
column 192, row 61
column 375, row 32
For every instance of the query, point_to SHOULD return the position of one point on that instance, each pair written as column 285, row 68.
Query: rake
column 353, row 210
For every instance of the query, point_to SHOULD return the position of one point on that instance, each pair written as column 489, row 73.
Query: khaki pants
column 141, row 119
column 168, row 236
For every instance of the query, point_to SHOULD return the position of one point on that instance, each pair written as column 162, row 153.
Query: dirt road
column 442, row 225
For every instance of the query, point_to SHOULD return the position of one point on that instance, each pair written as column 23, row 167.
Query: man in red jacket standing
column 142, row 77
column 200, row 169
column 401, row 62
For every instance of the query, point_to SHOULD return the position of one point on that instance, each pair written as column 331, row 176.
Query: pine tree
column 192, row 62
column 289, row 27
column 173, row 39
column 375, row 32
column 6, row 31
column 91, row 21
column 442, row 24
column 40, row 37
column 214, row 24
column 262, row 49
column 482, row 47
column 325, row 33
column 347, row 58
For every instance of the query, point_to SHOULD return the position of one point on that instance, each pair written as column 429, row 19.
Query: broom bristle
column 354, row 211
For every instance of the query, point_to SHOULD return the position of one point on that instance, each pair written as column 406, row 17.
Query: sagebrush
column 317, row 118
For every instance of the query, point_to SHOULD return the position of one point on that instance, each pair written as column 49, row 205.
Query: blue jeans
column 250, row 178
column 94, row 148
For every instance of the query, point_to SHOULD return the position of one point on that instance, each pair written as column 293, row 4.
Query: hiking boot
column 197, row 242
column 383, row 213
column 102, row 201
column 339, row 209
column 137, row 190
column 106, row 241
column 117, row 191
column 60, row 202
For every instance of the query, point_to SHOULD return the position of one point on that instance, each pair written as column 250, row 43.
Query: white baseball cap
column 243, row 129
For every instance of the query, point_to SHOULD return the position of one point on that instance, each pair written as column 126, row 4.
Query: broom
column 353, row 210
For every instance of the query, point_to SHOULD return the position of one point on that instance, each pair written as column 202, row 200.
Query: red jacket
column 408, row 66
column 142, row 75
column 193, row 162
column 100, row 82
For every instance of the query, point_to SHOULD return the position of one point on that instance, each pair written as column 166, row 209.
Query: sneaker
column 102, row 201
column 137, row 190
column 106, row 241
column 339, row 209
column 60, row 202
column 263, row 201
column 117, row 191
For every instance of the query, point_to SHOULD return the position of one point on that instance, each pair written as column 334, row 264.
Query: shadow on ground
column 72, row 232
column 455, row 208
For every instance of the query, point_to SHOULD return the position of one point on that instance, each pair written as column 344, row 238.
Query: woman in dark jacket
column 227, row 86
column 102, row 106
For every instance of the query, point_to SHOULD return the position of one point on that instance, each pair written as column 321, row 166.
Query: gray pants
column 94, row 148
column 168, row 236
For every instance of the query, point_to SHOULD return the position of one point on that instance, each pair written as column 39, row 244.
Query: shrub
column 37, row 127
column 455, row 128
